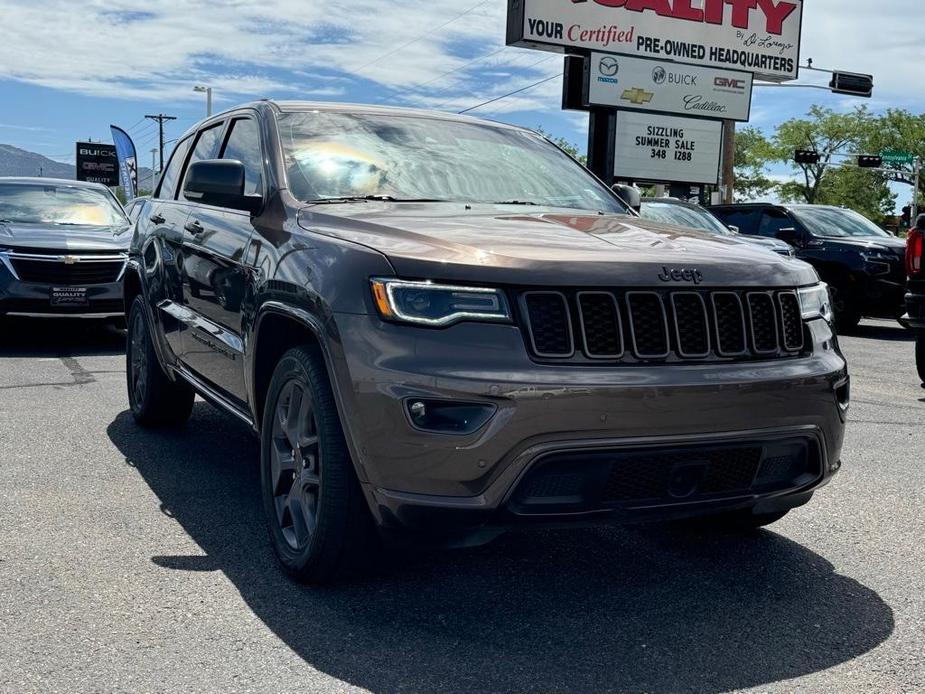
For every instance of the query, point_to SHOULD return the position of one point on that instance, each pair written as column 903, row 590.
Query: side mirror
column 733, row 228
column 219, row 182
column 791, row 236
column 629, row 195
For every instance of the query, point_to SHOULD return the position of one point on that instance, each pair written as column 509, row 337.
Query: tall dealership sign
column 640, row 84
column 97, row 163
column 757, row 36
column 667, row 148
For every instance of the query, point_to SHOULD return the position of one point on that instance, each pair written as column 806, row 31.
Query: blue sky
column 68, row 69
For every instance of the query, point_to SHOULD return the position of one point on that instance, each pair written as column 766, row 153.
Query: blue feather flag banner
column 128, row 168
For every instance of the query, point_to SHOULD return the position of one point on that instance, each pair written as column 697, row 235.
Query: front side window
column 837, row 222
column 168, row 187
column 772, row 222
column 336, row 155
column 58, row 204
column 206, row 146
column 744, row 219
column 243, row 145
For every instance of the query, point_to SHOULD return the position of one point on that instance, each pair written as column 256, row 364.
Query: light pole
column 153, row 167
column 208, row 92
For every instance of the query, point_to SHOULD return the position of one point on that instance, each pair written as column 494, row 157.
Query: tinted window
column 745, row 218
column 167, row 189
column 206, row 146
column 773, row 221
column 244, row 145
column 834, row 221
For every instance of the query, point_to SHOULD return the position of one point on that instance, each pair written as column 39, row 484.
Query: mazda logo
column 608, row 66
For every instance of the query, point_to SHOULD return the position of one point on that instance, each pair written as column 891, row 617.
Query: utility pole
column 729, row 157
column 917, row 172
column 153, row 168
column 160, row 119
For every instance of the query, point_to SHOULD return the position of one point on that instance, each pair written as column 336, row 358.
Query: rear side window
column 243, row 145
column 773, row 221
column 745, row 218
column 168, row 186
column 207, row 144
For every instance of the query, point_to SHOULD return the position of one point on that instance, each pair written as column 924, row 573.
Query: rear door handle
column 194, row 227
column 157, row 219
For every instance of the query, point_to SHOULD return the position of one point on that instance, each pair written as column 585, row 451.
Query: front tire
column 846, row 308
column 316, row 515
column 155, row 400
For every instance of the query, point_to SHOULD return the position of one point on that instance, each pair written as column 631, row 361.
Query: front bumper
column 19, row 297
column 427, row 481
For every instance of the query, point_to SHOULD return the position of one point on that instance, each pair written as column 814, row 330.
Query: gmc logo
column 729, row 83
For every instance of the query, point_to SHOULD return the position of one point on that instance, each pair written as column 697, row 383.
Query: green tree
column 752, row 154
column 564, row 144
column 824, row 131
column 862, row 190
column 901, row 131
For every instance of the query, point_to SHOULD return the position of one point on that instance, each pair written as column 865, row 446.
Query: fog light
column 449, row 416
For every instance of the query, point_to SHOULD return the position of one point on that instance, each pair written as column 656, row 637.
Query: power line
column 462, row 67
column 421, row 36
column 527, row 67
column 160, row 119
column 516, row 91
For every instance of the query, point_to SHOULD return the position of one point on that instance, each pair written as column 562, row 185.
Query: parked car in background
column 63, row 248
column 693, row 216
column 443, row 328
column 861, row 263
column 134, row 207
column 915, row 297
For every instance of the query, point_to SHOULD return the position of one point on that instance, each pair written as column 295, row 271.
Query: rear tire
column 155, row 400
column 920, row 357
column 317, row 517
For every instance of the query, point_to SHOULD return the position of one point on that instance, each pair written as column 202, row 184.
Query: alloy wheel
column 139, row 360
column 295, row 464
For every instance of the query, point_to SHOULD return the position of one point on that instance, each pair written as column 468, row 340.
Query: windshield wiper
column 367, row 198
column 515, row 202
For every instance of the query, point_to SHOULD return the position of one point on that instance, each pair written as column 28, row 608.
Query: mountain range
column 20, row 162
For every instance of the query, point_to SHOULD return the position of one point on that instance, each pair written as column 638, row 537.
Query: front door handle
column 194, row 227
column 157, row 218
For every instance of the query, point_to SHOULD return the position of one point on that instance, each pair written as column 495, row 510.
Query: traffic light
column 866, row 161
column 806, row 156
column 852, row 84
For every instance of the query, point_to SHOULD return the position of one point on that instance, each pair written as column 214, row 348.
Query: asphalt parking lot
column 136, row 561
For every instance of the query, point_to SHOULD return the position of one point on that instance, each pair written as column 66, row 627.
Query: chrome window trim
column 677, row 327
column 584, row 331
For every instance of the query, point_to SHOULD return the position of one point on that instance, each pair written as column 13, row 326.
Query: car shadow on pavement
column 882, row 330
column 553, row 611
column 52, row 337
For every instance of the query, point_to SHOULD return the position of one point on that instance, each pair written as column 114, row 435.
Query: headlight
column 815, row 302
column 437, row 305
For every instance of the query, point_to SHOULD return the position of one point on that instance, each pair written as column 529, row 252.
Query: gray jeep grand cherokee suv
column 441, row 328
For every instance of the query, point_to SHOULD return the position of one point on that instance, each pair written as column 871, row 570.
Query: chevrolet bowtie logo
column 69, row 259
column 637, row 95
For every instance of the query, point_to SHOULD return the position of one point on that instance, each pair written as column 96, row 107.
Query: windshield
column 57, row 204
column 682, row 215
column 836, row 222
column 338, row 155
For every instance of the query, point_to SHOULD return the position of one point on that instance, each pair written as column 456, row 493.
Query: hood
column 504, row 244
column 890, row 244
column 766, row 242
column 54, row 237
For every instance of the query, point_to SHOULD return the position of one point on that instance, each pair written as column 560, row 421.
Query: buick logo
column 659, row 75
column 608, row 66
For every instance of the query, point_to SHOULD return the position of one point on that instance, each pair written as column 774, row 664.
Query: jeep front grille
column 651, row 325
